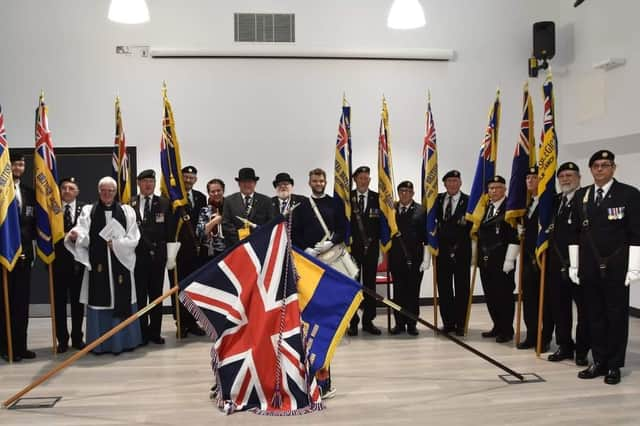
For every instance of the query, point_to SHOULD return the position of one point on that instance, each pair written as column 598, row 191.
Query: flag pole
column 7, row 313
column 52, row 304
column 175, row 285
column 519, row 303
column 435, row 293
column 543, row 268
column 473, row 286
column 88, row 348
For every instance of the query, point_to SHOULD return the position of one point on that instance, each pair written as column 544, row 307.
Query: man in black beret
column 454, row 256
column 407, row 257
column 562, row 291
column 245, row 209
column 19, row 279
column 365, row 246
column 604, row 256
column 528, row 231
column 157, row 231
column 67, row 273
column 497, row 251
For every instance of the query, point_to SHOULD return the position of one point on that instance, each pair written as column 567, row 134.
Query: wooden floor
column 379, row 380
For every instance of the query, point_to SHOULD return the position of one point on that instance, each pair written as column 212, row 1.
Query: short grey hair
column 107, row 180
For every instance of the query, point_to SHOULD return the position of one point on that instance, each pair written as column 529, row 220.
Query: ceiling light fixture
column 128, row 11
column 406, row 15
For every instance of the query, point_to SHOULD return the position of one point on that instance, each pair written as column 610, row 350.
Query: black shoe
column 612, row 377
column 371, row 329
column 581, row 360
column 490, row 333
column 398, row 329
column 592, row 372
column 503, row 339
column 560, row 354
column 412, row 330
column 27, row 354
column 197, row 331
column 352, row 330
column 526, row 345
column 447, row 329
column 62, row 348
column 78, row 344
column 459, row 331
column 157, row 340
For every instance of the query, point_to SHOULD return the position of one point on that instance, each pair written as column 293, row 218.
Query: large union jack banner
column 248, row 303
column 121, row 171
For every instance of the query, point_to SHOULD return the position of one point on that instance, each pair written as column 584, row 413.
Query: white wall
column 280, row 115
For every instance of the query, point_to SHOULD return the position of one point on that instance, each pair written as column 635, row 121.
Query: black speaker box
column 544, row 39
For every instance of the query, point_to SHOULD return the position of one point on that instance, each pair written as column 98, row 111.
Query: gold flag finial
column 429, row 95
column 526, row 85
column 498, row 92
column 344, row 99
column 164, row 88
column 41, row 95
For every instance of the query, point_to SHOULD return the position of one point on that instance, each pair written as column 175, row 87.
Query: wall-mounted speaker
column 544, row 39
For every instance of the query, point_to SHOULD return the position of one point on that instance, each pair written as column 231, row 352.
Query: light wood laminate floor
column 380, row 380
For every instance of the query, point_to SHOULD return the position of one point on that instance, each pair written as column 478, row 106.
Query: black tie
column 563, row 204
column 68, row 222
column 147, row 209
column 491, row 211
column 190, row 196
column 448, row 207
column 283, row 206
column 599, row 196
column 403, row 210
column 247, row 205
column 361, row 203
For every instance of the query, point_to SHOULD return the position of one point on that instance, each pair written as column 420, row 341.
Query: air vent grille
column 264, row 27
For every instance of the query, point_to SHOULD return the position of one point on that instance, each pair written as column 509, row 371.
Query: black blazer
column 155, row 230
column 560, row 232
column 64, row 256
column 613, row 227
column 494, row 236
column 412, row 226
column 370, row 223
column 27, row 221
column 295, row 200
column 261, row 212
column 454, row 233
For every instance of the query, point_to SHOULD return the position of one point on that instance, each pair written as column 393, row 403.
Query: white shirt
column 18, row 193
column 605, row 189
column 532, row 206
column 143, row 203
column 366, row 198
column 497, row 205
column 72, row 209
column 453, row 199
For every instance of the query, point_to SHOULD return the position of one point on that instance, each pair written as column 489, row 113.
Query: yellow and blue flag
column 485, row 168
column 10, row 241
column 386, row 190
column 171, row 183
column 328, row 300
column 121, row 171
column 523, row 158
column 49, row 215
column 547, row 164
column 342, row 173
column 430, row 180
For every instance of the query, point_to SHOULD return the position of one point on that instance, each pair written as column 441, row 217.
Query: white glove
column 474, row 253
column 426, row 260
column 633, row 271
column 380, row 257
column 172, row 252
column 574, row 251
column 520, row 229
column 323, row 246
column 510, row 258
column 311, row 251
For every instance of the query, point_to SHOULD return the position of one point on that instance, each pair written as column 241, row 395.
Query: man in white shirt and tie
column 285, row 199
column 67, row 273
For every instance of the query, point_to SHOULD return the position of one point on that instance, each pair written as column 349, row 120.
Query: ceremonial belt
column 602, row 260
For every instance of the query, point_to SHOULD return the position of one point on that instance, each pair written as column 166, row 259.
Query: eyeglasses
column 601, row 165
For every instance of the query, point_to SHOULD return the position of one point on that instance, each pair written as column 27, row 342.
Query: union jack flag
column 342, row 171
column 171, row 184
column 120, row 160
column 430, row 180
column 386, row 190
column 248, row 303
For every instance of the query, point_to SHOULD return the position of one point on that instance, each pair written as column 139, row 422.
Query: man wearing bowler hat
column 604, row 257
column 285, row 200
column 67, row 273
column 245, row 209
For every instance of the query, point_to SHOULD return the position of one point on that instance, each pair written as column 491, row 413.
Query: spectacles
column 601, row 165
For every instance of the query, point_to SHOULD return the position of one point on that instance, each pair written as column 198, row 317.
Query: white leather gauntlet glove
column 574, row 253
column 510, row 258
column 426, row 260
column 311, row 251
column 633, row 271
column 172, row 253
column 323, row 246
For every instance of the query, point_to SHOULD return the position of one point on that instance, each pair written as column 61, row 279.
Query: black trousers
column 607, row 303
column 19, row 285
column 406, row 290
column 498, row 290
column 186, row 265
column 368, row 264
column 67, row 281
column 453, row 274
column 562, row 293
column 149, row 274
column 531, row 304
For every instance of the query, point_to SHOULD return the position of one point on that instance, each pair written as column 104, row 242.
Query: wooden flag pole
column 89, row 347
column 519, row 303
column 543, row 268
column 435, row 292
column 177, row 304
column 473, row 286
column 52, row 304
column 7, row 313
